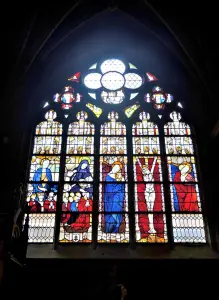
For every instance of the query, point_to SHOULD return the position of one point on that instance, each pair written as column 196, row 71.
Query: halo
column 117, row 163
column 183, row 164
column 42, row 158
column 85, row 158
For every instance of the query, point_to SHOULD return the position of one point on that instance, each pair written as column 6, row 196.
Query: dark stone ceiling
column 42, row 45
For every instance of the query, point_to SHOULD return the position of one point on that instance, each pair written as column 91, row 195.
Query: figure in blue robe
column 37, row 177
column 81, row 173
column 114, row 195
column 174, row 169
column 73, row 207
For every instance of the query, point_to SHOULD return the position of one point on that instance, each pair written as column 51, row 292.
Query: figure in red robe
column 82, row 223
column 65, row 217
column 80, row 220
column 34, row 206
column 185, row 189
column 149, row 224
column 49, row 204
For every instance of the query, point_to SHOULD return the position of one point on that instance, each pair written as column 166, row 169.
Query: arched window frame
column 38, row 214
column 113, row 150
column 126, row 121
column 200, row 225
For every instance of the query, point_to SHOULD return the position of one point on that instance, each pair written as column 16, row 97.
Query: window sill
column 45, row 251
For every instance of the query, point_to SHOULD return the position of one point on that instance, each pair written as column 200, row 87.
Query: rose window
column 112, row 78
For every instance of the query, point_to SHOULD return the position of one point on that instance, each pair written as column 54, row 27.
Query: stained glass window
column 67, row 98
column 104, row 169
column 132, row 66
column 187, row 219
column 133, row 95
column 113, row 81
column 113, row 97
column 113, row 222
column 133, row 81
column 158, row 98
column 150, row 217
column 42, row 187
column 77, row 201
column 151, row 77
column 129, row 111
column 76, row 77
column 112, row 65
column 96, row 110
column 92, row 81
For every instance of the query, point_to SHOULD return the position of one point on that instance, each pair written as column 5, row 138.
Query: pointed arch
column 42, row 187
column 77, row 200
column 187, row 218
column 150, row 218
column 113, row 221
column 83, row 178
